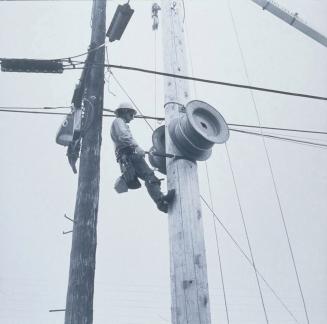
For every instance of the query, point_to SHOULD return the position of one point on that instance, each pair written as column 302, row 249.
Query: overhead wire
column 279, row 128
column 238, row 246
column 162, row 118
column 84, row 53
column 222, row 83
column 31, row 110
column 217, row 245
column 269, row 164
column 279, row 138
column 129, row 97
column 35, row 108
column 247, row 234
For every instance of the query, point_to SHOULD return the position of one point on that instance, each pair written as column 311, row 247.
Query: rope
column 108, row 71
column 270, row 167
column 217, row 244
column 155, row 76
column 249, row 260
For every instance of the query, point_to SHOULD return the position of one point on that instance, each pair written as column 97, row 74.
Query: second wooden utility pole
column 188, row 268
column 79, row 302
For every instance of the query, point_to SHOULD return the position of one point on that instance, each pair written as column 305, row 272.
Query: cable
column 270, row 166
column 32, row 108
column 246, row 233
column 155, row 76
column 162, row 118
column 282, row 129
column 33, row 112
column 229, row 84
column 82, row 54
column 123, row 89
column 217, row 244
column 218, row 82
column 279, row 138
column 249, row 260
column 66, row 114
column 7, row 109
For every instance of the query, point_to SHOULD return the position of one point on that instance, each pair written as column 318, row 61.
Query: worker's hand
column 139, row 151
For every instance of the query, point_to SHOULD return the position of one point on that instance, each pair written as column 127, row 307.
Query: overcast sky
column 132, row 273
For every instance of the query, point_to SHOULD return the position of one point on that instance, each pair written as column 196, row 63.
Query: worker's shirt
column 121, row 135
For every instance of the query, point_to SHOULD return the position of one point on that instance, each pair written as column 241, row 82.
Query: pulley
column 197, row 130
column 159, row 147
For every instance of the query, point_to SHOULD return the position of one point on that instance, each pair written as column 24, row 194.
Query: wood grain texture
column 79, row 302
column 188, row 269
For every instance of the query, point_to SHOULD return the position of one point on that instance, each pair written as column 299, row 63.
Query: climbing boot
column 162, row 206
column 169, row 197
column 164, row 201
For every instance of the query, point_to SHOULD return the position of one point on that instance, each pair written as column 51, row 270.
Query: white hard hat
column 125, row 106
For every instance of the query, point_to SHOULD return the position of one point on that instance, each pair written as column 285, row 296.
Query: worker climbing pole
column 191, row 130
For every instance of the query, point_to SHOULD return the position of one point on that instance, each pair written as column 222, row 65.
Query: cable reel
column 196, row 131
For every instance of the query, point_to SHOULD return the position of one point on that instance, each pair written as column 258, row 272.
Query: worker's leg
column 152, row 183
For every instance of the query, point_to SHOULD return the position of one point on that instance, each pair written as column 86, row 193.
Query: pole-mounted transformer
column 119, row 22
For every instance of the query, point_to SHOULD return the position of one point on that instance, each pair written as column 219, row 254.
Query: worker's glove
column 139, row 152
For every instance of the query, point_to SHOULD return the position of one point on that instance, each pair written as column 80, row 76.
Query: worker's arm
column 122, row 134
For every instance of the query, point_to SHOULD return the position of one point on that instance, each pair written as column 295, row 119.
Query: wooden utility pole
column 79, row 302
column 188, row 268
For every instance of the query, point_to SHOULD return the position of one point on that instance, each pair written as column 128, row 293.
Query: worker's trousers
column 144, row 172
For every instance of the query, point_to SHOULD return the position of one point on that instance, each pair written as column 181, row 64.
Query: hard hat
column 124, row 107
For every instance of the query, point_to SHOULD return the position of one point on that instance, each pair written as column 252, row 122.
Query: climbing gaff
column 198, row 127
column 158, row 151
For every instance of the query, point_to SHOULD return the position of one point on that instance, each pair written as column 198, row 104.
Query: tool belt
column 124, row 158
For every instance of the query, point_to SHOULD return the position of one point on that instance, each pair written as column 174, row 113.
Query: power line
column 150, row 117
column 217, row 244
column 133, row 102
column 248, row 259
column 32, row 108
column 279, row 138
column 229, row 84
column 162, row 118
column 278, row 128
column 247, row 234
column 269, row 163
column 217, row 82
column 33, row 112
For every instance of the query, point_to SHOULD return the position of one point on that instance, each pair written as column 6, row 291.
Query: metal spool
column 159, row 146
column 196, row 131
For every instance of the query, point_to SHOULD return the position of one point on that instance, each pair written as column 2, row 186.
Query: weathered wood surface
column 189, row 283
column 79, row 302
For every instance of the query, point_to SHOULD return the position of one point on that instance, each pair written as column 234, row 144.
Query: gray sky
column 132, row 274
